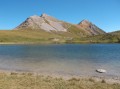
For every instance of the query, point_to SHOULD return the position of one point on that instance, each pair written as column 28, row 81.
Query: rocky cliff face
column 90, row 28
column 44, row 22
column 49, row 23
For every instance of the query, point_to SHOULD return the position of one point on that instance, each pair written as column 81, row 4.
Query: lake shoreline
column 62, row 61
column 29, row 80
column 107, row 79
column 47, row 43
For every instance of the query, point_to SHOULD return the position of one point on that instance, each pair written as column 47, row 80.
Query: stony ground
column 30, row 81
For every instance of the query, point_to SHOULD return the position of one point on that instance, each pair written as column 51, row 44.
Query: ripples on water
column 69, row 58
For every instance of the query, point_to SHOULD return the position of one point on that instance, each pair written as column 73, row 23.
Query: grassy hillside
column 74, row 35
column 39, row 36
column 29, row 81
column 24, row 36
column 105, row 38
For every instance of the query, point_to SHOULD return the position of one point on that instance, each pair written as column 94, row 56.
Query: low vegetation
column 30, row 81
column 40, row 36
column 25, row 36
column 105, row 38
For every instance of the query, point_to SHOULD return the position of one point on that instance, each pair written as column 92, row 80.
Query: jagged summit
column 90, row 27
column 44, row 15
column 85, row 21
column 48, row 17
column 86, row 24
column 34, row 16
column 48, row 23
column 44, row 22
column 35, row 19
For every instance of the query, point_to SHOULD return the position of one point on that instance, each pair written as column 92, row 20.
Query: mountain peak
column 48, row 17
column 34, row 17
column 48, row 23
column 44, row 15
column 89, row 26
column 85, row 21
column 44, row 22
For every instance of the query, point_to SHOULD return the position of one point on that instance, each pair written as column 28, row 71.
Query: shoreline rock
column 101, row 70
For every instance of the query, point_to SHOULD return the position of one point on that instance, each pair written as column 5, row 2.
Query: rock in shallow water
column 101, row 71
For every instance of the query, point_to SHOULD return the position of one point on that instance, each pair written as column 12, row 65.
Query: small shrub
column 13, row 73
column 30, row 74
column 91, row 80
column 74, row 79
column 103, row 81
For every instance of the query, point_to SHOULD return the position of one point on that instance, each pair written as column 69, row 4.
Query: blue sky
column 104, row 13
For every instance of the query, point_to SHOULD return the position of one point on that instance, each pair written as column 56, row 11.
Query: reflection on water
column 69, row 58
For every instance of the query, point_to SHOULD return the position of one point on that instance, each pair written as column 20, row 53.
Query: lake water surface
column 74, row 59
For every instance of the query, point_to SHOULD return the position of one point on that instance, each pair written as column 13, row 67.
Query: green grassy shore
column 42, row 37
column 31, row 81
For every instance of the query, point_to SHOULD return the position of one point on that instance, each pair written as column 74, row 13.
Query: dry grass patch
column 30, row 81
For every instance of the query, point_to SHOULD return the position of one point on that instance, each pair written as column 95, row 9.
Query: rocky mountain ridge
column 90, row 27
column 44, row 22
column 49, row 24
